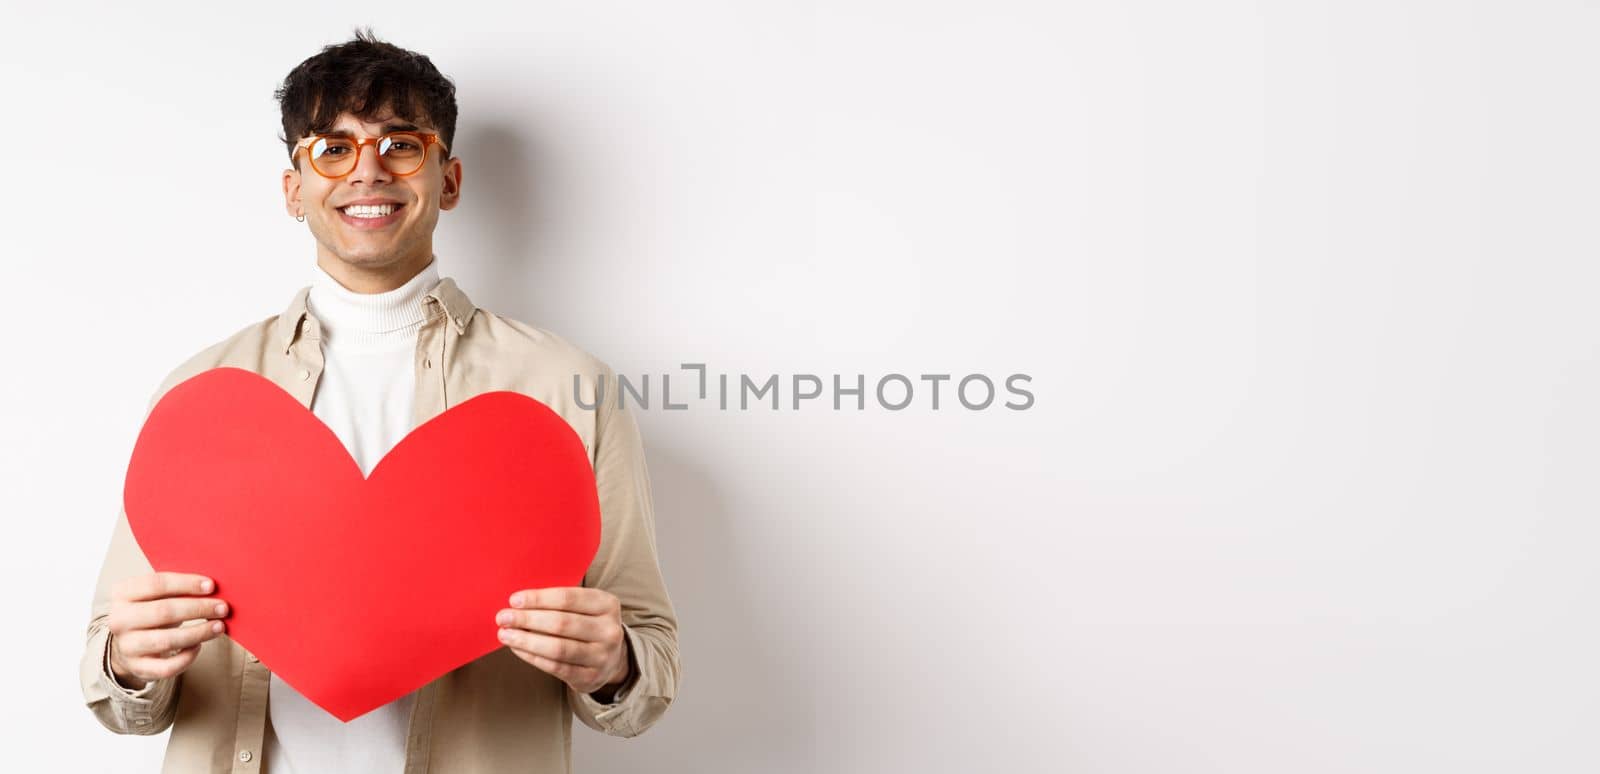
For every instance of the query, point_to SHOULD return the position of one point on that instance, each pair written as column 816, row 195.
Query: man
column 377, row 344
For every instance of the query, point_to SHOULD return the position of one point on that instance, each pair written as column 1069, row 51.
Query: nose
column 369, row 169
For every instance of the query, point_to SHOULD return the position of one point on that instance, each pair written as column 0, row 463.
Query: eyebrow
column 387, row 128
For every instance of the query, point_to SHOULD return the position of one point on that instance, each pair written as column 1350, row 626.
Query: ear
column 291, row 193
column 450, row 190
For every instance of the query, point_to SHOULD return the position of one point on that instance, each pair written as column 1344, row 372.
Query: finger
column 557, row 623
column 156, row 668
column 576, row 599
column 169, row 612
column 155, row 643
column 567, row 673
column 157, row 585
column 567, row 651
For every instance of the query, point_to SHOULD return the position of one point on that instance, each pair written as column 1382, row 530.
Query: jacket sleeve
column 626, row 565
column 151, row 709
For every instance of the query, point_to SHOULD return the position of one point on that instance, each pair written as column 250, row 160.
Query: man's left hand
column 573, row 633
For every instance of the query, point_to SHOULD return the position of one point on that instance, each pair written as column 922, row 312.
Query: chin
column 371, row 253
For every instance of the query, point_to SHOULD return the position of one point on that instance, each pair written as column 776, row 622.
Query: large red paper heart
column 357, row 591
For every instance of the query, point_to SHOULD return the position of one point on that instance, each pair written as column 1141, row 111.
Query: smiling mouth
column 370, row 211
column 366, row 216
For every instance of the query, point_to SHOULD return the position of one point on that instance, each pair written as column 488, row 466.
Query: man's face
column 399, row 243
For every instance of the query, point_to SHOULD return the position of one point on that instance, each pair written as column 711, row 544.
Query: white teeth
column 369, row 210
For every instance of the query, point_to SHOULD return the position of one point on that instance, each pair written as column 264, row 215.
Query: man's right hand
column 147, row 641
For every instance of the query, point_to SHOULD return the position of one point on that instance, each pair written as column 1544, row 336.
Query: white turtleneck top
column 365, row 395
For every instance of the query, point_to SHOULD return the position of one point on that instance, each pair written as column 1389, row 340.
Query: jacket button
column 427, row 363
column 244, row 755
column 305, row 374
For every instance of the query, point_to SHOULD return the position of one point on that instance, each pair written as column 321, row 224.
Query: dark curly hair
column 363, row 76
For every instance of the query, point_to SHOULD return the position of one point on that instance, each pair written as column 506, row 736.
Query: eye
column 330, row 148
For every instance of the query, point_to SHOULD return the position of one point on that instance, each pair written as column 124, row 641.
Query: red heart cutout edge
column 357, row 591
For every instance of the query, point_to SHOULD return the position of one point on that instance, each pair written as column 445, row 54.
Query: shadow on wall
column 502, row 222
column 739, row 707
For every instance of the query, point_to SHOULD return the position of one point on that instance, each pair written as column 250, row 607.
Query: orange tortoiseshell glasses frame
column 425, row 139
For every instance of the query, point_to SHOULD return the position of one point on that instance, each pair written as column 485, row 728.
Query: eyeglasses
column 401, row 153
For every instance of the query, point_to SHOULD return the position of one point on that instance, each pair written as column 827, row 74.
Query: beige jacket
column 497, row 714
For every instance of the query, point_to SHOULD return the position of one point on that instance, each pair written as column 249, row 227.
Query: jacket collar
column 456, row 306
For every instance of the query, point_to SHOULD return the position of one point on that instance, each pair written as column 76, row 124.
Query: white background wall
column 1306, row 290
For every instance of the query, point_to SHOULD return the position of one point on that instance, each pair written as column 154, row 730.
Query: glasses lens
column 333, row 156
column 402, row 152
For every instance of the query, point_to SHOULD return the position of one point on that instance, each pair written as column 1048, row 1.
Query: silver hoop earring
column 300, row 218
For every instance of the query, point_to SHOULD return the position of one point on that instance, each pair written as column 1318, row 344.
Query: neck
column 373, row 279
column 368, row 319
